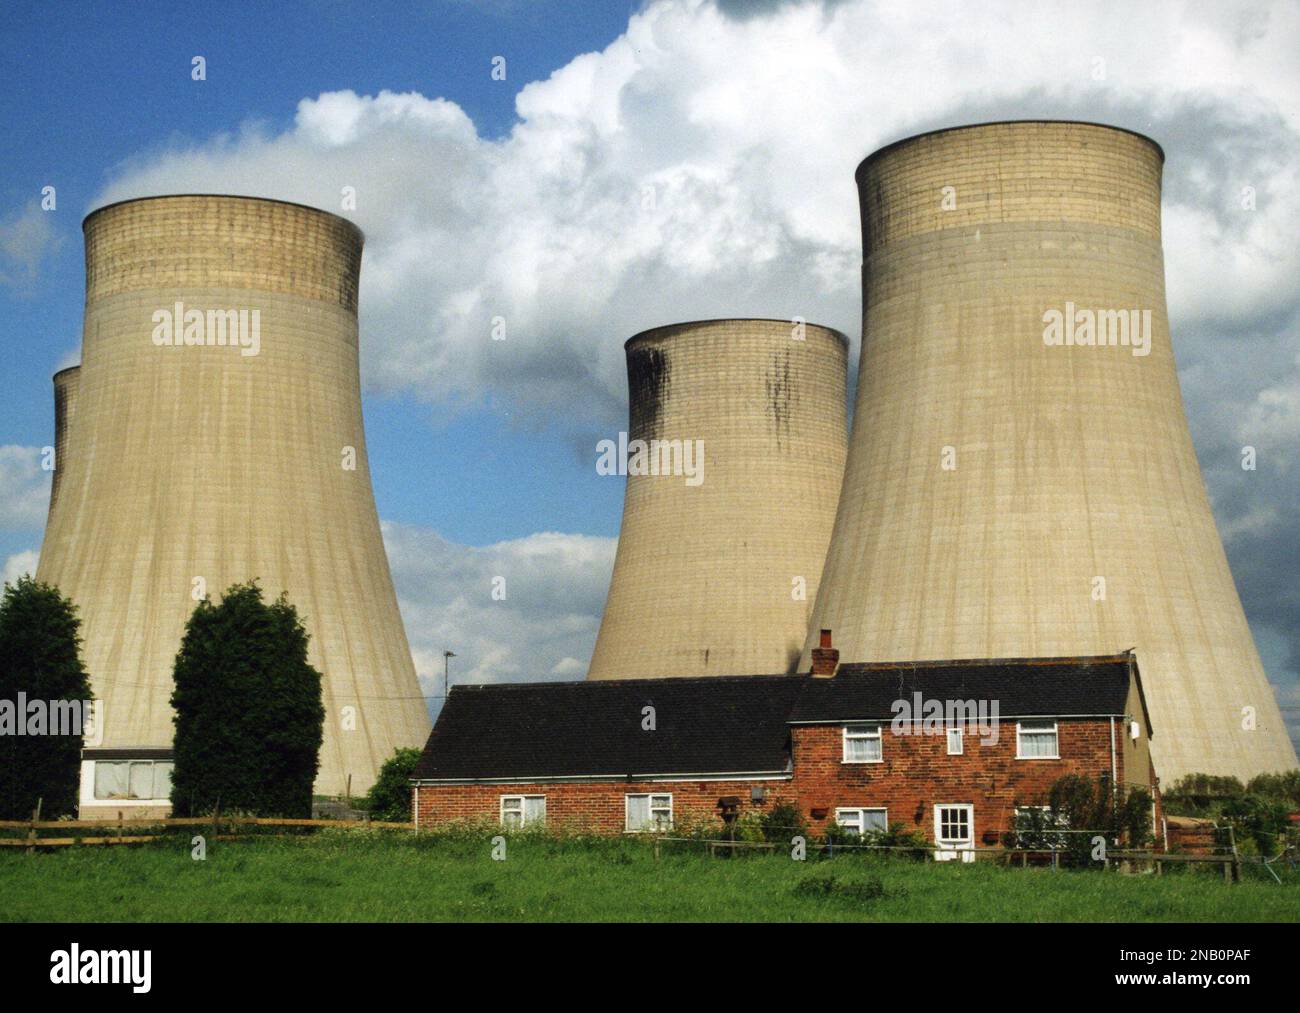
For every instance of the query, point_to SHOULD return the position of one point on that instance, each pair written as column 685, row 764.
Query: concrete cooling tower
column 212, row 435
column 65, row 406
column 1021, row 481
column 715, row 574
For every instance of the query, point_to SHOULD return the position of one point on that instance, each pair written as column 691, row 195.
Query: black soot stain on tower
column 781, row 396
column 648, row 380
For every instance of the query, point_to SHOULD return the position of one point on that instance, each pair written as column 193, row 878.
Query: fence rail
column 114, row 831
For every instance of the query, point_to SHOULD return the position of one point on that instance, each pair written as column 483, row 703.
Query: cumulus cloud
column 18, row 564
column 27, row 239
column 24, row 488
column 520, row 610
column 701, row 165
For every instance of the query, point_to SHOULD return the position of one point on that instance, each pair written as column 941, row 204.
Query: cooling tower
column 1012, row 490
column 212, row 435
column 715, row 575
column 65, row 406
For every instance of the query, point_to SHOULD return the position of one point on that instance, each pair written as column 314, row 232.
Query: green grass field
column 373, row 876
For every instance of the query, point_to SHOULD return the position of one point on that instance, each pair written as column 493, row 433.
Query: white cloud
column 24, row 488
column 543, row 628
column 18, row 564
column 27, row 239
column 701, row 165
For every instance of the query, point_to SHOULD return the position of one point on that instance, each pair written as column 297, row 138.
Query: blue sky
column 640, row 164
column 95, row 87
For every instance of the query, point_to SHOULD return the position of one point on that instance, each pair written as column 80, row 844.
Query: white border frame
column 844, row 740
column 523, row 810
column 650, row 795
column 1056, row 730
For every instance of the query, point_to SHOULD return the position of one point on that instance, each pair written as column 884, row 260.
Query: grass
column 377, row 876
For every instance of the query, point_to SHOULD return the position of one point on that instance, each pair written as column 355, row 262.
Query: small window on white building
column 133, row 780
column 1036, row 740
column 955, row 744
column 863, row 821
column 522, row 810
column 648, row 812
column 862, row 744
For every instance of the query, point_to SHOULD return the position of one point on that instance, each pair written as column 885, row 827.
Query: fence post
column 31, row 831
column 656, row 849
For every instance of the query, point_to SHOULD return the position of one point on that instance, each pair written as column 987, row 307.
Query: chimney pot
column 825, row 659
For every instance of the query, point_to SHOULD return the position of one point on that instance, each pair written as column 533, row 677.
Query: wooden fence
column 114, row 831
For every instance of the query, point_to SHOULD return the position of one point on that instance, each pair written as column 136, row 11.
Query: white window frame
column 862, row 731
column 948, row 849
column 1056, row 732
column 960, row 732
column 859, row 810
column 522, row 809
column 89, row 804
column 129, row 762
column 653, row 808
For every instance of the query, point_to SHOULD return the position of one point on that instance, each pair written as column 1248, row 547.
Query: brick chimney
column 825, row 658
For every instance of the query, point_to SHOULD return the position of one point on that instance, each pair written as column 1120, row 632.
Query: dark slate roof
column 1056, row 687
column 567, row 729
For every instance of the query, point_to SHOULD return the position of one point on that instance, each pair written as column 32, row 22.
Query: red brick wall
column 917, row 774
column 592, row 806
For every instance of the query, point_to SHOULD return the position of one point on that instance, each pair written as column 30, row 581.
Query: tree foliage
column 390, row 796
column 40, row 657
column 249, row 717
column 1078, row 810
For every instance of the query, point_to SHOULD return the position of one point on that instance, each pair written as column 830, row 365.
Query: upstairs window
column 956, row 745
column 1036, row 740
column 862, row 744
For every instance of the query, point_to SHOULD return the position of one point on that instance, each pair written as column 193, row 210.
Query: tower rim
column 881, row 151
column 844, row 339
column 223, row 196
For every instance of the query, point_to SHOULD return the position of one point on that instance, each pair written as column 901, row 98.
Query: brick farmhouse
column 949, row 749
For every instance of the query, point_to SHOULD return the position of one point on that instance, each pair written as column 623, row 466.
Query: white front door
column 954, row 833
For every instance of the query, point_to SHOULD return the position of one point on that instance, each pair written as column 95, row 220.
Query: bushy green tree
column 390, row 796
column 1256, row 819
column 1283, row 788
column 1076, row 803
column 40, row 657
column 782, row 822
column 249, row 717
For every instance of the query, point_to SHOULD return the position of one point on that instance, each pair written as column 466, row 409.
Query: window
column 863, row 821
column 1036, row 740
column 955, row 744
column 133, row 779
column 862, row 744
column 521, row 810
column 649, row 812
